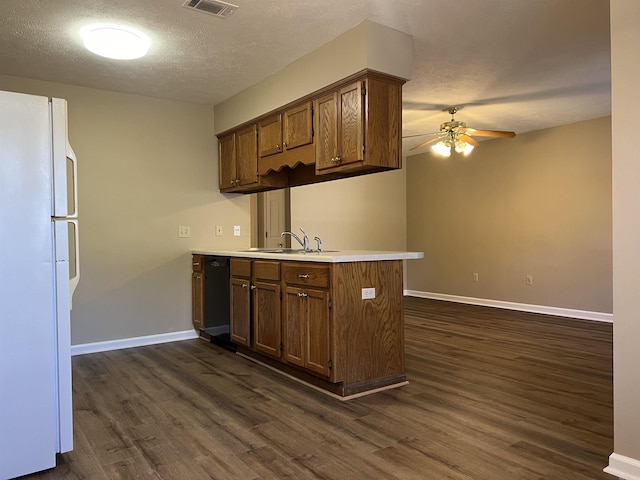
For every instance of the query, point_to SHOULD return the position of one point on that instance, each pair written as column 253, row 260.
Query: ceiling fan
column 455, row 135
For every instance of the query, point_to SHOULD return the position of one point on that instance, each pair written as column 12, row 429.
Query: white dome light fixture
column 115, row 41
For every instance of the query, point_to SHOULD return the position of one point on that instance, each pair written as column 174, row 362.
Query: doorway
column 273, row 217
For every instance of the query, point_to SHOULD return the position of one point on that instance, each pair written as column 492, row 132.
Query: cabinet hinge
column 330, row 304
column 281, row 346
column 280, row 295
column 364, row 91
column 363, row 148
column 330, row 364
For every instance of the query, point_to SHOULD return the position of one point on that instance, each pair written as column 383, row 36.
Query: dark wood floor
column 493, row 394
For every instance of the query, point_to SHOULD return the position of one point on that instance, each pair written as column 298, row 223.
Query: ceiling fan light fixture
column 463, row 147
column 442, row 148
column 115, row 41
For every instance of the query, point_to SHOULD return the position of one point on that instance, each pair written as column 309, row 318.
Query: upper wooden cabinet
column 238, row 163
column 359, row 127
column 349, row 128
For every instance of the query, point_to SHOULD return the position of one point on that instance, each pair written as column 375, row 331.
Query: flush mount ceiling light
column 454, row 135
column 115, row 41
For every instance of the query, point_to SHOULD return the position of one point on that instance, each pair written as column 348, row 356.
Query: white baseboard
column 96, row 347
column 523, row 307
column 623, row 467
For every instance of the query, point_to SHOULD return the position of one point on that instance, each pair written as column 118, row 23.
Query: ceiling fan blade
column 489, row 133
column 468, row 139
column 420, row 135
column 424, row 144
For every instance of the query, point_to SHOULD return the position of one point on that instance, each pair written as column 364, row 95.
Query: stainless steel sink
column 285, row 250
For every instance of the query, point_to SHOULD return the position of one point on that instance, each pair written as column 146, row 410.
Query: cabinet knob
column 284, row 144
column 338, row 159
column 302, row 294
column 303, row 276
column 244, row 285
column 253, row 287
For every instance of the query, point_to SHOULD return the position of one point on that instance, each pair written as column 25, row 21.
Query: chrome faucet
column 304, row 243
column 317, row 239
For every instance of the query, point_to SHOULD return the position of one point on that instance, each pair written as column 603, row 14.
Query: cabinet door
column 266, row 318
column 350, row 124
column 326, row 131
column 270, row 135
column 240, row 311
column 298, row 126
column 247, row 155
column 317, row 331
column 226, row 162
column 197, row 300
column 293, row 331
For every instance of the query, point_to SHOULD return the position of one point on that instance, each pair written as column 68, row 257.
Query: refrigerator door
column 27, row 309
column 65, row 234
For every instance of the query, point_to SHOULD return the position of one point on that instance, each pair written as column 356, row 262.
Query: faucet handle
column 317, row 239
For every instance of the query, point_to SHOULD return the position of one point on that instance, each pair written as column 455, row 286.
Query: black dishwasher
column 216, row 300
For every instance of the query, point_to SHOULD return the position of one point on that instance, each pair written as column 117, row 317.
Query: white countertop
column 328, row 256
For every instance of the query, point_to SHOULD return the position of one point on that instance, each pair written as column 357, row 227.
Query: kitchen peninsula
column 332, row 319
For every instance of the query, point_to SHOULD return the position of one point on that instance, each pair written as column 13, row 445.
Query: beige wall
column 538, row 204
column 625, row 70
column 146, row 166
column 367, row 212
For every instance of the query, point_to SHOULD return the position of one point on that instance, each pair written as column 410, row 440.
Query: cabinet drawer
column 265, row 270
column 240, row 267
column 305, row 274
column 197, row 263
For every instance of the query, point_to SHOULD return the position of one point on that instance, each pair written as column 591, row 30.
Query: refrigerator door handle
column 74, row 162
column 73, row 281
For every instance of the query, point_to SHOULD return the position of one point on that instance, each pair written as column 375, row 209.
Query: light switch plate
column 236, row 230
column 368, row 293
column 184, row 231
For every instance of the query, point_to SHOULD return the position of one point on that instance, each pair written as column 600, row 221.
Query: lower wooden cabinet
column 306, row 329
column 310, row 320
column 267, row 309
column 197, row 291
column 240, row 302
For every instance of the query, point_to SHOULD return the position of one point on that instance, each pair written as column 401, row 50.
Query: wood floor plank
column 492, row 394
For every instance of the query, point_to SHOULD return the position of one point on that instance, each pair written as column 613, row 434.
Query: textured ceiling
column 516, row 65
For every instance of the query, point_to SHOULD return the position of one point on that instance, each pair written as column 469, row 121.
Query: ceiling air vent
column 212, row 7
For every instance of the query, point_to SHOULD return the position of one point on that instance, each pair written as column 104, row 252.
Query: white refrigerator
column 39, row 270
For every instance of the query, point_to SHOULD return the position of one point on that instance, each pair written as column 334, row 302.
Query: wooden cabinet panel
column 240, row 267
column 197, row 291
column 326, row 131
column 270, row 134
column 197, row 300
column 340, row 128
column 298, row 126
column 350, row 125
column 240, row 311
column 247, row 156
column 317, row 331
column 293, row 333
column 306, row 329
column 302, row 273
column 227, row 162
column 266, row 270
column 266, row 318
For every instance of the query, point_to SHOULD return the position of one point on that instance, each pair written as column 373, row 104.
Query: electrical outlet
column 236, row 230
column 475, row 277
column 184, row 231
column 368, row 293
column 529, row 279
column 218, row 230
